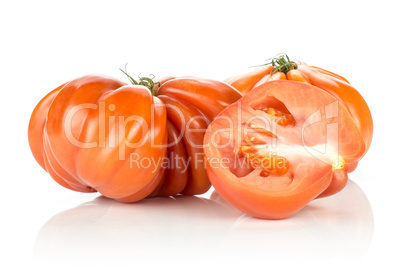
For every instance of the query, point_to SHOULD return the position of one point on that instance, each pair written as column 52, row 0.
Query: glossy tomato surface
column 96, row 133
column 279, row 147
column 191, row 104
column 86, row 133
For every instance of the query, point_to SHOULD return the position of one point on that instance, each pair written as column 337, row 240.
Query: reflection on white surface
column 189, row 227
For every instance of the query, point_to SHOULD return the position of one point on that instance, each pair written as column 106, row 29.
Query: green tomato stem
column 143, row 81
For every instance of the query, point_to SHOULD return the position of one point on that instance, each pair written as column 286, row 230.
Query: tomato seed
column 279, row 117
column 269, row 162
column 262, row 130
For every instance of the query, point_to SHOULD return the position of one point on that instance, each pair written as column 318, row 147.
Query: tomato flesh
column 265, row 154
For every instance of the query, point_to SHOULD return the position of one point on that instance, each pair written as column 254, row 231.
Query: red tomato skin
column 36, row 125
column 192, row 103
column 96, row 168
column 100, row 168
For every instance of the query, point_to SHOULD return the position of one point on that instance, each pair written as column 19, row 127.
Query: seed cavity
column 261, row 130
column 279, row 117
column 269, row 162
column 253, row 140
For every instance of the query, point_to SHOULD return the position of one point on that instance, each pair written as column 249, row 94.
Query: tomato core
column 338, row 163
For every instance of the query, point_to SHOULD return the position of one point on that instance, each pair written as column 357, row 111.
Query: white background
column 45, row 43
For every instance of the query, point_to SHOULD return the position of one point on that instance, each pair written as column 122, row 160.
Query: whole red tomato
column 280, row 146
column 282, row 68
column 127, row 141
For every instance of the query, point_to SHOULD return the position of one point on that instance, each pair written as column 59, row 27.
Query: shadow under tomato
column 341, row 225
column 188, row 227
column 155, row 226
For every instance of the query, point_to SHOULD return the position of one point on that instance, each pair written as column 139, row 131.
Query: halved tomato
column 279, row 147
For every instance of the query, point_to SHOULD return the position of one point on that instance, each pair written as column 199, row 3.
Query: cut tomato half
column 279, row 147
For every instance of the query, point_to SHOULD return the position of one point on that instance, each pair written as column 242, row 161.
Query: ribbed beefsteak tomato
column 99, row 134
column 279, row 147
